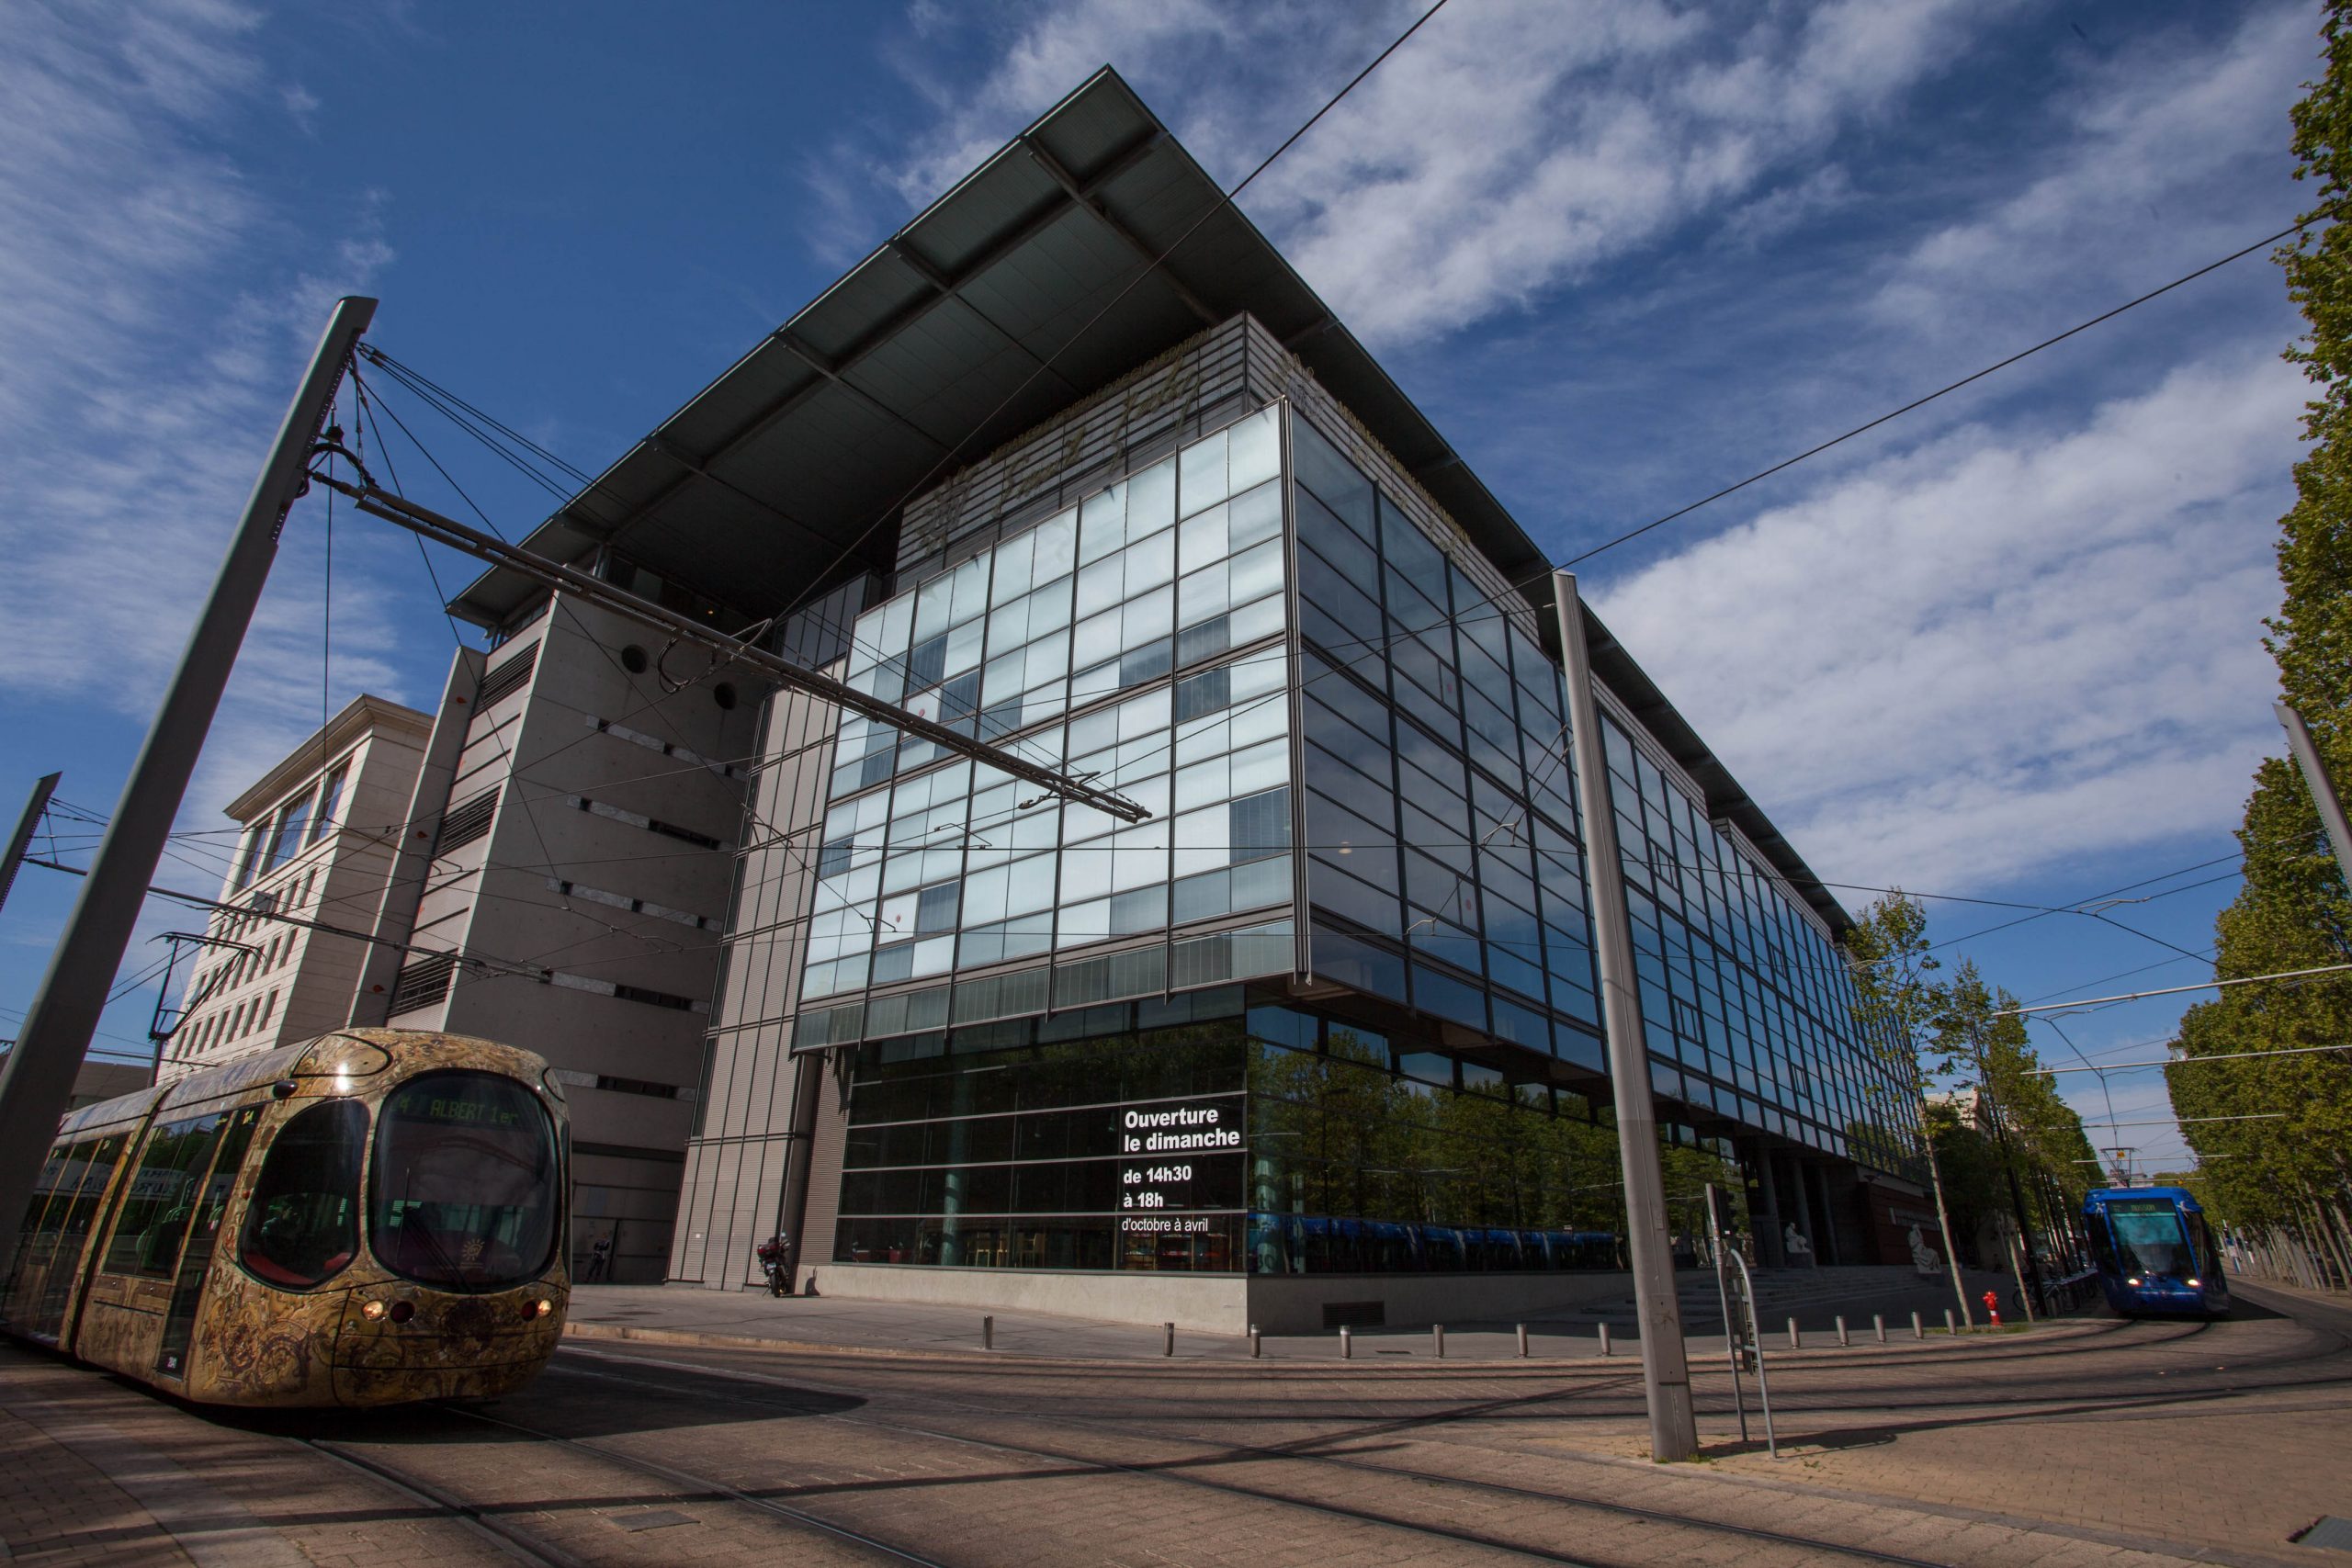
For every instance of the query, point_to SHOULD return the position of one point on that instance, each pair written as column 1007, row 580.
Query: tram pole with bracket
column 38, row 1081
column 2323, row 795
column 590, row 589
column 1666, row 1369
column 36, row 805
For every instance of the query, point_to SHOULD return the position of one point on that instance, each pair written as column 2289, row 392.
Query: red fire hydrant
column 1993, row 1305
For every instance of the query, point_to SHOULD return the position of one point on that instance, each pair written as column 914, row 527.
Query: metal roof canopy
column 798, row 450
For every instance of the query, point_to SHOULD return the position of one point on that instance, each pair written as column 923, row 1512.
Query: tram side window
column 72, row 1180
column 97, row 1157
column 2200, row 1236
column 2102, row 1244
column 155, row 1216
column 302, row 1221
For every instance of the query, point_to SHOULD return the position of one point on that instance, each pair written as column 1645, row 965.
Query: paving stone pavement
column 2095, row 1443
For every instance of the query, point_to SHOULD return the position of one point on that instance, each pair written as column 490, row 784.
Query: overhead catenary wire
column 2174, row 990
column 2214, row 1057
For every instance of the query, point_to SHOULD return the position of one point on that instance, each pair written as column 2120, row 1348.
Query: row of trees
column 2011, row 1157
column 2281, row 1178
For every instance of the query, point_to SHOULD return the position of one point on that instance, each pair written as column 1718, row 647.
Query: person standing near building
column 600, row 1259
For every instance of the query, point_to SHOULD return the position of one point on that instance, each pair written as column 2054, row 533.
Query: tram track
column 1183, row 1470
column 528, row 1546
column 1471, row 1514
column 507, row 1537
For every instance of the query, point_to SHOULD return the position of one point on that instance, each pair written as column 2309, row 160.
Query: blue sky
column 2006, row 648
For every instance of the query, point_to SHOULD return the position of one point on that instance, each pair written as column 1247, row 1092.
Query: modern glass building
column 1330, row 1009
column 1318, row 1038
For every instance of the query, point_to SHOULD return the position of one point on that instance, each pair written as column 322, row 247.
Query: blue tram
column 2156, row 1255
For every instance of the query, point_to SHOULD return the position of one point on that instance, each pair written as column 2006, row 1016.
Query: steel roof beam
column 1086, row 198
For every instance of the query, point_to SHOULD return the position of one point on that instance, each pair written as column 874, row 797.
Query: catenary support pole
column 38, row 1078
column 2323, row 795
column 1666, row 1374
column 21, row 840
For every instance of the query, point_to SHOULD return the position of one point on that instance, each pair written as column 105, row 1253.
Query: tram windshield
column 462, row 1193
column 2148, row 1237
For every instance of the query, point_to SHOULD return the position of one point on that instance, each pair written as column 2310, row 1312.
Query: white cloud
column 2002, row 648
column 1507, row 148
column 150, row 329
column 2174, row 151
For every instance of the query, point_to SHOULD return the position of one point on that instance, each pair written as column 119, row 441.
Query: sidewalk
column 96, row 1471
column 689, row 1314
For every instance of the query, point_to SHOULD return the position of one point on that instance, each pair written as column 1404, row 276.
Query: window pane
column 1204, row 479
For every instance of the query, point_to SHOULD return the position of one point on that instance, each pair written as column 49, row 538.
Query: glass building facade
column 1331, row 1006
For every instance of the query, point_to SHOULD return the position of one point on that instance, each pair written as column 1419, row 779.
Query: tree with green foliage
column 1899, row 1011
column 2283, row 1180
column 2035, row 1139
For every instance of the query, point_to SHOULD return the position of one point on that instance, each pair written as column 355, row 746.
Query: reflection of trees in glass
column 1335, row 1135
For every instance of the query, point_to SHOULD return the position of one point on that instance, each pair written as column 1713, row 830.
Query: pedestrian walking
column 600, row 1259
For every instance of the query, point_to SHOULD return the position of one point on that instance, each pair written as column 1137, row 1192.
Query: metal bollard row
column 1257, row 1343
column 1437, row 1340
column 1795, row 1343
column 1604, row 1339
column 1168, row 1345
column 988, row 1334
column 1842, row 1337
column 1347, row 1343
column 1522, row 1341
column 1878, row 1321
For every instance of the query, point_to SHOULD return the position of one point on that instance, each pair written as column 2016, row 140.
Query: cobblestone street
column 2097, row 1441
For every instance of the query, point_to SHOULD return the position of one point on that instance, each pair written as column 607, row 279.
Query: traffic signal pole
column 38, row 1078
column 1666, row 1371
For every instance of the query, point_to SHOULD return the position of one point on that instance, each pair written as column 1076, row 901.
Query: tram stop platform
column 1815, row 1298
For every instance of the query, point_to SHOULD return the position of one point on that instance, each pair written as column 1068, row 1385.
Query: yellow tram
column 369, row 1217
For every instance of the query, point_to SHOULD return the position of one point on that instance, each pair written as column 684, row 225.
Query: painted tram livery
column 369, row 1217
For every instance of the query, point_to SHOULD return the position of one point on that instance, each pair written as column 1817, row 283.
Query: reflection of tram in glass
column 369, row 1217
column 2156, row 1255
column 1314, row 1244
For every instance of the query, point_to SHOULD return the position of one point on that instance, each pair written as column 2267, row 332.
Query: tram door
column 208, row 1201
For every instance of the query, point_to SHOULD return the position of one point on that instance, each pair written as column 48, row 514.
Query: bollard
column 1842, row 1338
column 1918, row 1330
column 1951, row 1326
column 1437, row 1339
column 1522, row 1341
column 1604, row 1339
column 1347, row 1343
column 1878, row 1321
column 1795, row 1343
column 1257, row 1345
column 988, row 1334
column 1168, row 1343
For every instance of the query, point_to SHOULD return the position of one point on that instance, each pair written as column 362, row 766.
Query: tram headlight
column 546, row 1307
column 2133, row 1280
column 372, row 1310
column 2196, row 1284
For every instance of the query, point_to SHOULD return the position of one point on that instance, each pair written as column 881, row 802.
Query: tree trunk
column 1943, row 1219
column 2334, row 1240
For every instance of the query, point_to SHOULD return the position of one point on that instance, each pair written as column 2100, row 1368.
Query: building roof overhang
column 1026, row 287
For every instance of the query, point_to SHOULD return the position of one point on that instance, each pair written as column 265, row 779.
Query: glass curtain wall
column 1103, row 641
column 1747, row 1006
column 1439, row 793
